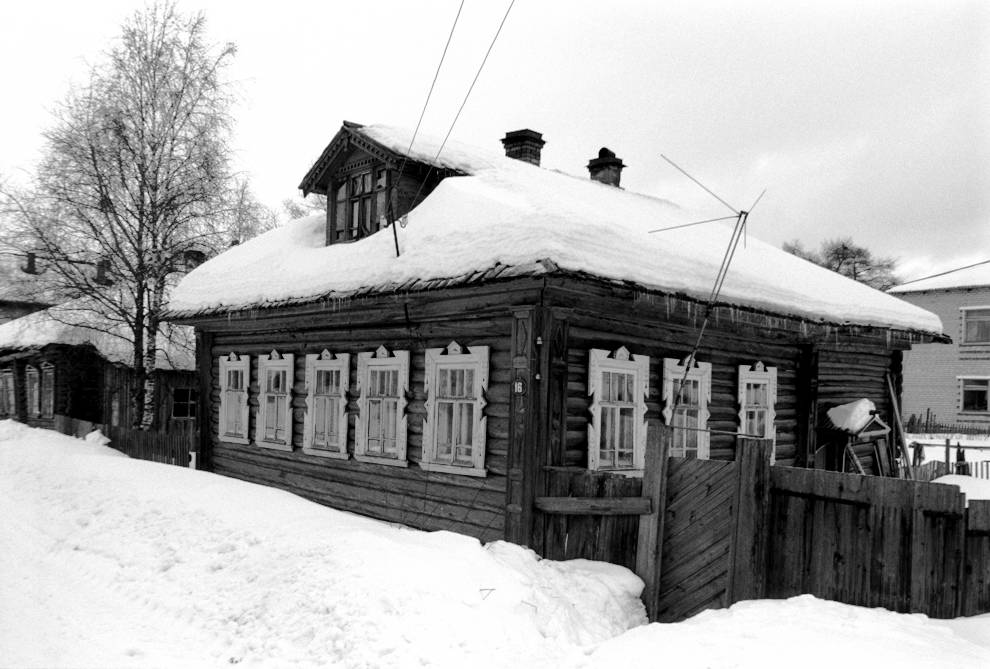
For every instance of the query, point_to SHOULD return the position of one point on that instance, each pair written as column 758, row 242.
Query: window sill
column 274, row 445
column 453, row 469
column 325, row 453
column 231, row 439
column 376, row 460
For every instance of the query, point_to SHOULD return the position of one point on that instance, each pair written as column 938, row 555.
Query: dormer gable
column 367, row 184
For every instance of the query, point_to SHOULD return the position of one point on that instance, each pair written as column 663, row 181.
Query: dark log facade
column 539, row 331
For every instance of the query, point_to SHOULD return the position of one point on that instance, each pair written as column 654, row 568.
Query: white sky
column 863, row 119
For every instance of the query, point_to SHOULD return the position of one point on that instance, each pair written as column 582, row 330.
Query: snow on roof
column 972, row 276
column 73, row 324
column 511, row 213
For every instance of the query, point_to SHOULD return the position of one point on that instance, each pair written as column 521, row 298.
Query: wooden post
column 523, row 430
column 649, row 542
column 948, row 444
column 751, row 522
column 900, row 427
column 204, row 421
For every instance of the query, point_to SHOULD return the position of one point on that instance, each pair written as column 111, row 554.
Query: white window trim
column 623, row 362
column 326, row 361
column 758, row 373
column 47, row 369
column 453, row 356
column 227, row 363
column 673, row 373
column 274, row 361
column 32, row 395
column 962, row 326
column 381, row 359
column 962, row 384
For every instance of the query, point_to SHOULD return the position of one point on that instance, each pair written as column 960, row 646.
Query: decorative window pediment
column 235, row 377
column 381, row 425
column 687, row 392
column 757, row 393
column 618, row 384
column 275, row 381
column 454, row 431
column 325, row 427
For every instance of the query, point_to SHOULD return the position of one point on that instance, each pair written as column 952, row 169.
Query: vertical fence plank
column 751, row 516
column 650, row 537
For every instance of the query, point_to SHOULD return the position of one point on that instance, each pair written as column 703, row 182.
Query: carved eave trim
column 346, row 140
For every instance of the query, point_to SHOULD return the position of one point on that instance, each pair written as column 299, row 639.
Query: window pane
column 445, row 430
column 977, row 325
column 975, row 395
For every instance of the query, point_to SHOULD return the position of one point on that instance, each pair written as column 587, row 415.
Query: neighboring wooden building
column 527, row 330
column 951, row 384
column 51, row 368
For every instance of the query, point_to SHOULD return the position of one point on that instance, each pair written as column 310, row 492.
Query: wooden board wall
column 427, row 500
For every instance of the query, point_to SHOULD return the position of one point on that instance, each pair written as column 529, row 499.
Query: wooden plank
column 649, row 553
column 595, row 506
column 978, row 516
column 751, row 510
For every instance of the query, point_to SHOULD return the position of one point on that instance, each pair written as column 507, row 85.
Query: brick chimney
column 524, row 145
column 606, row 168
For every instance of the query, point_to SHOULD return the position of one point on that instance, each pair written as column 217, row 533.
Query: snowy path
column 110, row 562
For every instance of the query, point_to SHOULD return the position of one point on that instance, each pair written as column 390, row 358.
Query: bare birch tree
column 135, row 180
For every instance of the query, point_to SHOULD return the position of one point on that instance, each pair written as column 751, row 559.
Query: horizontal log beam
column 595, row 506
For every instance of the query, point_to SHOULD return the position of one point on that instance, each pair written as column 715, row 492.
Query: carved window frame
column 382, row 360
column 47, row 390
column 673, row 374
column 601, row 362
column 343, row 197
column 281, row 399
column 326, row 362
column 758, row 374
column 234, row 399
column 8, row 393
column 455, row 358
column 32, row 390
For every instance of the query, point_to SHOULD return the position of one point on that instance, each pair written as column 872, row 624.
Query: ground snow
column 107, row 561
column 972, row 487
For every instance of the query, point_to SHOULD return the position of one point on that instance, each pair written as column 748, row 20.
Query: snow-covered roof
column 972, row 276
column 515, row 217
column 73, row 324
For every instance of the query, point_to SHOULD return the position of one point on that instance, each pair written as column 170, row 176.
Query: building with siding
column 464, row 332
column 951, row 384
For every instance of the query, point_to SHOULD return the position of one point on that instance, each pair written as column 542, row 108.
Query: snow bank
column 188, row 568
column 801, row 631
column 508, row 212
column 972, row 487
column 852, row 417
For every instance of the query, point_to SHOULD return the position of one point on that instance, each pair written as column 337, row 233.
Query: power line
column 957, row 269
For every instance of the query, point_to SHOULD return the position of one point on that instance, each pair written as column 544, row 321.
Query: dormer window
column 360, row 204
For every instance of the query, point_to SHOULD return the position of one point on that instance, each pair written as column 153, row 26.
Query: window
column 976, row 325
column 234, row 379
column 757, row 397
column 975, row 394
column 618, row 386
column 115, row 407
column 380, row 429
column 275, row 379
column 33, row 390
column 454, row 431
column 686, row 393
column 8, row 405
column 184, row 402
column 47, row 390
column 360, row 202
column 325, row 428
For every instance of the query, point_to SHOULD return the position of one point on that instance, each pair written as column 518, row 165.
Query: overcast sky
column 864, row 119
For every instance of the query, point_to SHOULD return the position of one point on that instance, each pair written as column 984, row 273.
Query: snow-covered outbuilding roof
column 971, row 276
column 73, row 324
column 508, row 217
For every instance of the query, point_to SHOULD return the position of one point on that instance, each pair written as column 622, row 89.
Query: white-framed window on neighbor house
column 618, row 384
column 454, row 432
column 380, row 427
column 757, row 397
column 975, row 394
column 8, row 403
column 235, row 376
column 47, row 390
column 325, row 427
column 32, row 390
column 275, row 378
column 976, row 325
column 687, row 391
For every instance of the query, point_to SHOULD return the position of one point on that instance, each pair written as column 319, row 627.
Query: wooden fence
column 705, row 534
column 171, row 448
